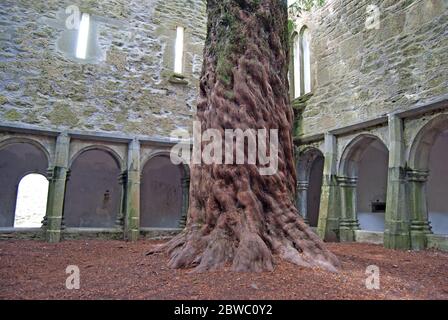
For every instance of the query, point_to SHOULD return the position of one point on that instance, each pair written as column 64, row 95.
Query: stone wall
column 128, row 88
column 359, row 74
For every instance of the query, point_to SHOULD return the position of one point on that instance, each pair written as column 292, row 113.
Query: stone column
column 56, row 192
column 122, row 180
column 185, row 201
column 302, row 199
column 329, row 210
column 396, row 231
column 420, row 226
column 349, row 221
column 132, row 221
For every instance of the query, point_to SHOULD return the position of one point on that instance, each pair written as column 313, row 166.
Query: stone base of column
column 133, row 235
column 53, row 236
column 53, row 229
column 397, row 241
column 132, row 231
column 347, row 230
column 397, row 235
column 332, row 232
column 419, row 232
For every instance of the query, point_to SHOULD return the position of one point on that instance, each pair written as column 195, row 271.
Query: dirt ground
column 120, row 270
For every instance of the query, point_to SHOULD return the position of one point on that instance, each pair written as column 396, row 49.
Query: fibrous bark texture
column 236, row 216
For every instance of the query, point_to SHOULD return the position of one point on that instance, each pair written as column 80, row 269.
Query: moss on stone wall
column 62, row 115
column 12, row 115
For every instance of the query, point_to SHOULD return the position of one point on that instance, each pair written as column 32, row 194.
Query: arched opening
column 315, row 188
column 438, row 184
column 161, row 194
column 364, row 171
column 310, row 175
column 31, row 201
column 372, row 187
column 93, row 194
column 429, row 178
column 17, row 160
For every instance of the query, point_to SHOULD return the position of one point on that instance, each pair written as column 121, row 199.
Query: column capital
column 349, row 182
column 122, row 177
column 417, row 175
column 302, row 185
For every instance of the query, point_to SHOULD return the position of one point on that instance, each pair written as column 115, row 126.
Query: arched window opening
column 306, row 61
column 179, row 50
column 31, row 201
column 83, row 36
column 296, row 66
column 301, row 63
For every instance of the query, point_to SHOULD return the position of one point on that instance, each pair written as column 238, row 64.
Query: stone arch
column 118, row 159
column 428, row 177
column 309, row 184
column 363, row 173
column 353, row 151
column 18, row 158
column 163, row 192
column 94, row 190
column 30, row 141
column 424, row 140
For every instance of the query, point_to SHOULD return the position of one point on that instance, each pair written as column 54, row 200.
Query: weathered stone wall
column 359, row 74
column 127, row 89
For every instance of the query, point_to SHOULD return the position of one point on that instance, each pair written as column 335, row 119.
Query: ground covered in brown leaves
column 120, row 270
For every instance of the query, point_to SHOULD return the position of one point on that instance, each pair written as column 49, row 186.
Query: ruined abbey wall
column 129, row 87
column 376, row 116
column 359, row 74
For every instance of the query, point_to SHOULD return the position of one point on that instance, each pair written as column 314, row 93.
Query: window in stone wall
column 306, row 60
column 83, row 36
column 179, row 50
column 79, row 41
column 301, row 63
column 296, row 66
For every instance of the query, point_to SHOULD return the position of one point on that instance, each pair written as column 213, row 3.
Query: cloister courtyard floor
column 120, row 270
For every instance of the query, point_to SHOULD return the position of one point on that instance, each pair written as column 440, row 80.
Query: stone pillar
column 302, row 199
column 349, row 221
column 329, row 210
column 396, row 231
column 56, row 192
column 122, row 180
column 420, row 226
column 132, row 221
column 185, row 201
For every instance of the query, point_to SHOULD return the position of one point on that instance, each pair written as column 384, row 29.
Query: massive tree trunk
column 238, row 217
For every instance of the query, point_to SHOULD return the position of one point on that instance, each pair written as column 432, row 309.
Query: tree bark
column 238, row 217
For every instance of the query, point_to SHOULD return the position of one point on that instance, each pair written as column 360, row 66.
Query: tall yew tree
column 237, row 216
